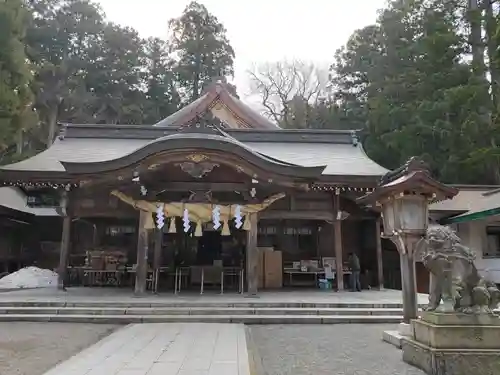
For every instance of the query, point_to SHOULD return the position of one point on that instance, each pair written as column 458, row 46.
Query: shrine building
column 214, row 196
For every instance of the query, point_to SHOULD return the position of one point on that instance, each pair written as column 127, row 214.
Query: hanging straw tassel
column 225, row 229
column 246, row 225
column 172, row 228
column 199, row 229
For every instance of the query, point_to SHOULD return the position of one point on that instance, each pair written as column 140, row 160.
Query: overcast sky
column 259, row 30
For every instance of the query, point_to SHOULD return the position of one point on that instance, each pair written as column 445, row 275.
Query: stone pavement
column 164, row 349
column 338, row 349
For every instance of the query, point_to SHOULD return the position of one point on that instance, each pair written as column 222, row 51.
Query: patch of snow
column 29, row 277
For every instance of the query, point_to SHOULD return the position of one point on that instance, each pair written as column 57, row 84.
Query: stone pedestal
column 454, row 344
column 405, row 329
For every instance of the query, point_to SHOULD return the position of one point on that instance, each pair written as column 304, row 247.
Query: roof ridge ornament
column 218, row 84
column 413, row 164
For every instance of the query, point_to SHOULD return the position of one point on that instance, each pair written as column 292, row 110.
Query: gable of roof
column 230, row 110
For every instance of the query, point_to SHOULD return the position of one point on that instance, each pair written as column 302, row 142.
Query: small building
column 21, row 227
column 215, row 152
column 474, row 213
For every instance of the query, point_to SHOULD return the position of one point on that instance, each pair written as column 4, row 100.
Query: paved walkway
column 164, row 349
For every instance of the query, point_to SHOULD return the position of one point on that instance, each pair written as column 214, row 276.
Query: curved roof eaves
column 187, row 140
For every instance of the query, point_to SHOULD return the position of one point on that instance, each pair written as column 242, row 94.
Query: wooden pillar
column 339, row 258
column 141, row 271
column 380, row 264
column 62, row 270
column 157, row 257
column 158, row 249
column 252, row 257
column 339, row 251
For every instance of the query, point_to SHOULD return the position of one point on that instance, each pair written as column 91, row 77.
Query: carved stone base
column 460, row 319
column 456, row 337
column 454, row 344
column 450, row 362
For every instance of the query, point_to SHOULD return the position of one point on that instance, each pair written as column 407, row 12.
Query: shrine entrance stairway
column 99, row 305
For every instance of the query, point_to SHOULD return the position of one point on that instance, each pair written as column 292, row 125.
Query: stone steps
column 244, row 319
column 247, row 311
column 199, row 311
column 250, row 303
column 392, row 337
column 188, row 313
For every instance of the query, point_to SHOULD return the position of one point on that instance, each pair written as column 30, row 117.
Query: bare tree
column 286, row 87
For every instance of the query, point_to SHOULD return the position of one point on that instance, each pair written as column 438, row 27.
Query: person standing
column 355, row 267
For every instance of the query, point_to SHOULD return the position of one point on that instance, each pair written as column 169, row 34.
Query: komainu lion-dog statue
column 456, row 284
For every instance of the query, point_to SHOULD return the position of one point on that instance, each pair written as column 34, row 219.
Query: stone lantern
column 403, row 197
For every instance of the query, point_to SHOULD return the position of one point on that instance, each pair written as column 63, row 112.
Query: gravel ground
column 34, row 348
column 349, row 349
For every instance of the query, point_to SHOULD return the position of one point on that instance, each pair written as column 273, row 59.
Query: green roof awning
column 473, row 216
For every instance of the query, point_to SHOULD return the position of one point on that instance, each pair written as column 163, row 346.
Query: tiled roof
column 340, row 158
column 77, row 150
column 15, row 199
column 471, row 203
column 481, row 207
column 465, row 200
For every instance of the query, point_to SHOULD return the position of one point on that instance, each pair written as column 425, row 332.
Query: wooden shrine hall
column 212, row 192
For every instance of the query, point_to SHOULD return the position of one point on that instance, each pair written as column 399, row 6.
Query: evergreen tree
column 15, row 76
column 162, row 96
column 59, row 44
column 202, row 48
column 406, row 78
column 116, row 77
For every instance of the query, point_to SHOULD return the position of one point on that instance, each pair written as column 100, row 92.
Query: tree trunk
column 19, row 142
column 196, row 83
column 475, row 38
column 52, row 126
column 492, row 46
column 197, row 69
column 494, row 70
